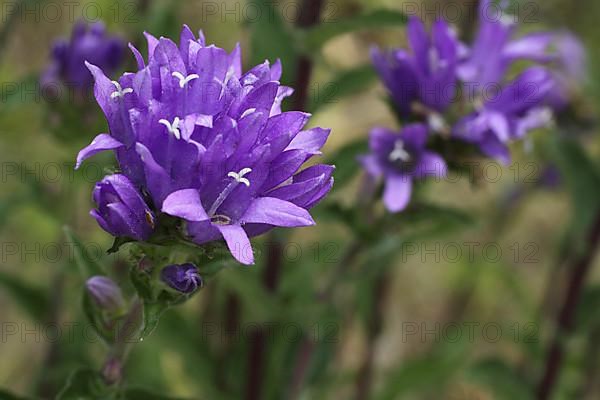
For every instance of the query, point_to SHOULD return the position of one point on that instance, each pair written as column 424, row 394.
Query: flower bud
column 105, row 293
column 121, row 210
column 184, row 278
column 112, row 372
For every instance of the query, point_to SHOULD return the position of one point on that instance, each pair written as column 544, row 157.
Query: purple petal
column 310, row 141
column 397, row 192
column 138, row 56
column 102, row 142
column 277, row 212
column 494, row 148
column 371, row 164
column 415, row 135
column 237, row 242
column 185, row 204
column 156, row 177
column 431, row 164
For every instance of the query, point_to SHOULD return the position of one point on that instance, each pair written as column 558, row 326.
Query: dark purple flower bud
column 87, row 43
column 121, row 210
column 105, row 293
column 184, row 278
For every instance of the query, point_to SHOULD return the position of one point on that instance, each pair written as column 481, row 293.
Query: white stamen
column 399, row 152
column 172, row 127
column 434, row 60
column 239, row 176
column 507, row 19
column 230, row 73
column 120, row 91
column 184, row 80
column 437, row 123
column 247, row 112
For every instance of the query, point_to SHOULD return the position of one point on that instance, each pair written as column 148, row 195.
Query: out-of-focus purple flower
column 401, row 158
column 495, row 49
column 184, row 278
column 121, row 209
column 428, row 74
column 105, row 293
column 210, row 144
column 518, row 108
column 570, row 69
column 87, row 43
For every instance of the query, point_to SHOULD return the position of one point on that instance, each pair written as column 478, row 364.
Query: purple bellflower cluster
column 87, row 43
column 463, row 93
column 200, row 141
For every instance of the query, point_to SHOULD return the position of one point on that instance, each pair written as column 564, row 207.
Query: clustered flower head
column 463, row 92
column 88, row 42
column 199, row 140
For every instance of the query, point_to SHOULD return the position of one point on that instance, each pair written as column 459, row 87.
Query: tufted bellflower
column 401, row 158
column 204, row 142
column 428, row 74
column 88, row 42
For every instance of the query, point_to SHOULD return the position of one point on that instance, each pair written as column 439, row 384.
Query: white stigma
column 436, row 122
column 434, row 60
column 172, row 127
column 239, row 176
column 184, row 80
column 120, row 91
column 399, row 152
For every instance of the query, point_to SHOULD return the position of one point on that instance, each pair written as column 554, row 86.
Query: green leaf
column 32, row 299
column 272, row 39
column 152, row 314
column 582, row 176
column 143, row 394
column 588, row 316
column 503, row 381
column 317, row 36
column 4, row 395
column 346, row 163
column 85, row 384
column 15, row 93
column 87, row 266
column 433, row 220
column 8, row 205
column 346, row 83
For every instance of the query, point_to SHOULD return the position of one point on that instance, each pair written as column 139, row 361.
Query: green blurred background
column 431, row 298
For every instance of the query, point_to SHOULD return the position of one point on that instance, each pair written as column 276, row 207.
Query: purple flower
column 121, row 209
column 87, row 43
column 428, row 74
column 517, row 108
column 105, row 293
column 401, row 158
column 570, row 69
column 184, row 278
column 210, row 144
column 494, row 50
